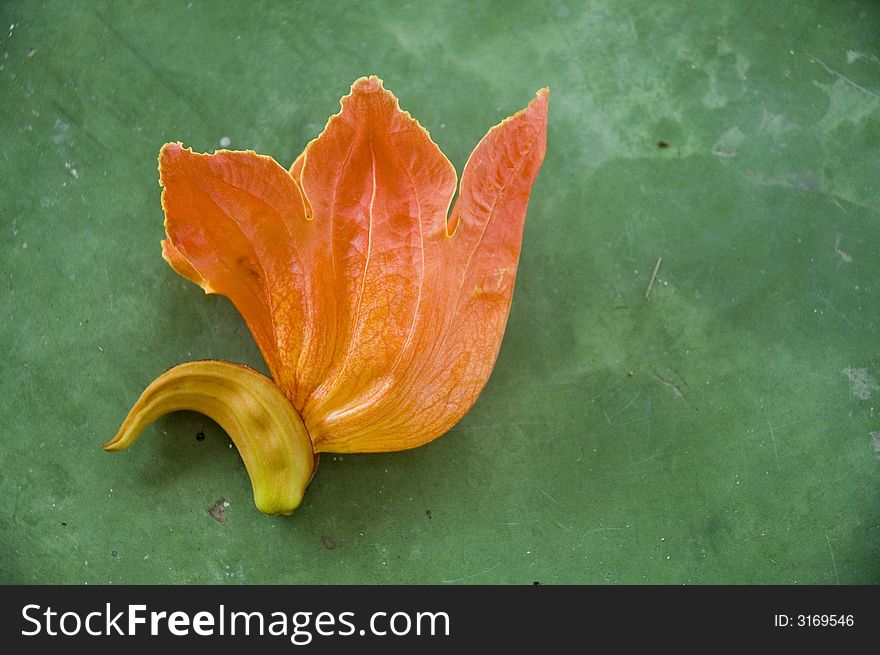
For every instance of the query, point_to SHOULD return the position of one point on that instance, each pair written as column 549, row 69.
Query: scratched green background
column 719, row 431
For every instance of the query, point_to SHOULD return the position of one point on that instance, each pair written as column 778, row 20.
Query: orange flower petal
column 468, row 281
column 235, row 223
column 380, row 190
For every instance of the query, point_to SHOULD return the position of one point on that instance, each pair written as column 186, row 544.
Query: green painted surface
column 719, row 431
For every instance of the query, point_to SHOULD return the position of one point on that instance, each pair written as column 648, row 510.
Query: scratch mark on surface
column 504, row 424
column 566, row 528
column 653, row 277
column 833, row 562
column 636, row 419
column 472, row 575
column 800, row 421
column 773, row 439
column 668, row 384
column 549, row 496
column 596, row 530
column 647, row 459
column 875, row 439
column 606, row 392
column 842, row 77
column 836, row 202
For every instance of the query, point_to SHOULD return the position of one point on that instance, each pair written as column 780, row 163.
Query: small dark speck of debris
column 64, row 524
column 662, row 144
column 218, row 510
column 113, row 553
column 31, row 52
column 607, row 575
column 630, row 373
column 536, row 584
column 428, row 513
column 329, row 544
column 200, row 436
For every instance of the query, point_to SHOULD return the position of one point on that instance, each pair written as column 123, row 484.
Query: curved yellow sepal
column 266, row 429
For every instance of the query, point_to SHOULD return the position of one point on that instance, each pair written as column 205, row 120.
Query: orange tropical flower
column 378, row 311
